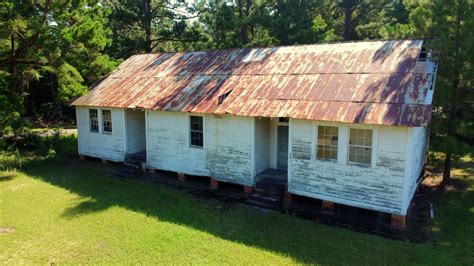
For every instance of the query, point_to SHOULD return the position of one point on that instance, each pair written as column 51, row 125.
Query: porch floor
column 275, row 176
column 136, row 158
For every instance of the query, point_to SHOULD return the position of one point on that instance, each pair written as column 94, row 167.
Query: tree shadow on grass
column 302, row 240
column 6, row 178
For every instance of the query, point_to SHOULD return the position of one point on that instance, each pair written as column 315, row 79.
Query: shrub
column 31, row 148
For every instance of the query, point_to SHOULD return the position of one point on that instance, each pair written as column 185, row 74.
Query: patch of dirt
column 434, row 177
column 7, row 230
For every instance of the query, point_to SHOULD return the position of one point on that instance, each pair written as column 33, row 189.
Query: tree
column 151, row 25
column 362, row 19
column 63, row 38
column 449, row 29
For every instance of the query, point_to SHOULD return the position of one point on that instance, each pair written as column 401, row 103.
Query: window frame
column 97, row 119
column 103, row 122
column 372, row 147
column 190, row 131
column 333, row 146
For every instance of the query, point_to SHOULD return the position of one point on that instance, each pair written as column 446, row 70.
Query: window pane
column 196, row 131
column 107, row 121
column 327, row 142
column 196, row 123
column 360, row 146
column 93, row 120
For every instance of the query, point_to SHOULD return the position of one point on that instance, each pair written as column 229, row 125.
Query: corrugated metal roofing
column 361, row 82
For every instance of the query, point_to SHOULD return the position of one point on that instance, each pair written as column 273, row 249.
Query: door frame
column 282, row 124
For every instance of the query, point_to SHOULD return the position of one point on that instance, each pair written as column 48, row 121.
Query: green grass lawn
column 74, row 213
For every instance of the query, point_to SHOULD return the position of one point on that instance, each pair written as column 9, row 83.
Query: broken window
column 327, row 143
column 360, row 146
column 196, row 131
column 93, row 120
column 106, row 121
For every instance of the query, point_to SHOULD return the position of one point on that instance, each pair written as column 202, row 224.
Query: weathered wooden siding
column 417, row 154
column 168, row 144
column 135, row 131
column 262, row 144
column 377, row 187
column 227, row 154
column 100, row 145
column 230, row 154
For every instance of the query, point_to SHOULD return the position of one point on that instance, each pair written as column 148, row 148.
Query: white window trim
column 102, row 121
column 316, row 143
column 188, row 127
column 373, row 154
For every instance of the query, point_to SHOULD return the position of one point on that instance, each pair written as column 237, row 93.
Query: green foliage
column 449, row 26
column 59, row 39
column 140, row 26
column 70, row 82
column 57, row 48
column 29, row 148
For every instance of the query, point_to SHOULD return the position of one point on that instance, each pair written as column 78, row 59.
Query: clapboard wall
column 379, row 186
column 417, row 148
column 227, row 153
column 98, row 144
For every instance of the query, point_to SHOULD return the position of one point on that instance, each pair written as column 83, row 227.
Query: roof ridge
column 284, row 46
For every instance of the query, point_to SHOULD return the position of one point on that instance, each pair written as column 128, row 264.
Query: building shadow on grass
column 301, row 240
column 304, row 241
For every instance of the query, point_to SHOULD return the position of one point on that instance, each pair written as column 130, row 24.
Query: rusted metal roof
column 360, row 82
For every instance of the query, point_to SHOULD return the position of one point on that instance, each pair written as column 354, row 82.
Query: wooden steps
column 267, row 195
column 132, row 167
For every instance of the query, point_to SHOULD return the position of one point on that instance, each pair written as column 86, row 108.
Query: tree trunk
column 12, row 45
column 447, row 169
column 453, row 114
column 243, row 26
column 347, row 22
column 13, row 66
column 147, row 19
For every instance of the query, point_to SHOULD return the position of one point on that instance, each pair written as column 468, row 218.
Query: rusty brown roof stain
column 360, row 82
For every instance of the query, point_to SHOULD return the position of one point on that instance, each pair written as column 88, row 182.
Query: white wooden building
column 346, row 121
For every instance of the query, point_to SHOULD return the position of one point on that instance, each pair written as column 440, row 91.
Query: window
column 196, row 131
column 93, row 120
column 327, row 143
column 360, row 146
column 106, row 121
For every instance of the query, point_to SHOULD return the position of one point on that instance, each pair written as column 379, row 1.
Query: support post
column 328, row 207
column 289, row 196
column 214, row 184
column 398, row 222
column 248, row 191
column 104, row 162
column 152, row 171
column 82, row 157
column 181, row 177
